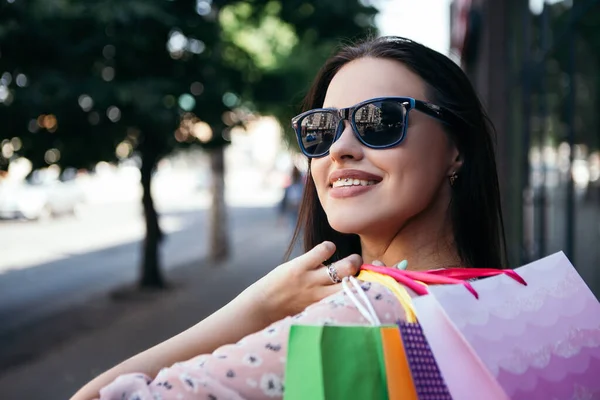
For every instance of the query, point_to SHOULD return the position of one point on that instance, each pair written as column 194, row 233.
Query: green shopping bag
column 335, row 362
column 349, row 362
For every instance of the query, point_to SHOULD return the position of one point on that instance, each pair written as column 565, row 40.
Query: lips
column 347, row 177
column 347, row 183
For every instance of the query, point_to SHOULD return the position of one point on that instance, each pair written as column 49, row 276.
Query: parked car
column 35, row 199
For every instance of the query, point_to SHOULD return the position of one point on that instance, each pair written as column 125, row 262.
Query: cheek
column 421, row 161
column 414, row 179
column 318, row 171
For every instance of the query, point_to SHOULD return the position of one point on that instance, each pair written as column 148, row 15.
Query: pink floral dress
column 254, row 367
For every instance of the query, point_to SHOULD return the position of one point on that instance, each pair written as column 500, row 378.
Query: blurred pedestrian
column 292, row 198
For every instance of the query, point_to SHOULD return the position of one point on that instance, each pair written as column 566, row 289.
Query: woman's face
column 408, row 182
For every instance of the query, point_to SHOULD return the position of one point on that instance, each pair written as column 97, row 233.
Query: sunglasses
column 378, row 123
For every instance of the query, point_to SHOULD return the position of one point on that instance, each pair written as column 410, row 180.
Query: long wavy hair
column 475, row 209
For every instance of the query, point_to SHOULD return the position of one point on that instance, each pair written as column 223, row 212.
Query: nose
column 347, row 146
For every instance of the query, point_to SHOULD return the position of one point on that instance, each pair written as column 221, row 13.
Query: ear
column 455, row 161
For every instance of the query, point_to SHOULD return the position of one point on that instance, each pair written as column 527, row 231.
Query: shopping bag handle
column 368, row 312
column 418, row 281
column 397, row 289
column 473, row 273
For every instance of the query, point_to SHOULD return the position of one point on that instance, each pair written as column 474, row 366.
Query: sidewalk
column 127, row 327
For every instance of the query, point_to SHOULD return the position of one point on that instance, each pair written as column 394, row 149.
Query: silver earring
column 453, row 178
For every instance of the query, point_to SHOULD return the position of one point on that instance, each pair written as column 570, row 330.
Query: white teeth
column 351, row 182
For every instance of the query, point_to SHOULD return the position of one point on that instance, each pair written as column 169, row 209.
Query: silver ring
column 333, row 274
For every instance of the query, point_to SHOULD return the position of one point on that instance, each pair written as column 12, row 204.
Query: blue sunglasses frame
column 348, row 114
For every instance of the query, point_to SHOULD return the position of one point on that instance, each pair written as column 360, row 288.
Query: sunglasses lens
column 381, row 123
column 317, row 132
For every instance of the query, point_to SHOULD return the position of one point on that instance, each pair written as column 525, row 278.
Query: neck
column 425, row 242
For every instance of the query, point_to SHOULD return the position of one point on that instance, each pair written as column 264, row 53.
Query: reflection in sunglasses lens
column 380, row 123
column 318, row 132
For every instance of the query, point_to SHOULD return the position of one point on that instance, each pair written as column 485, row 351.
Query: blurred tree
column 96, row 81
column 284, row 44
column 103, row 80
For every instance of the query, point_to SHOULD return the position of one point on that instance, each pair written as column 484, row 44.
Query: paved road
column 122, row 328
column 97, row 252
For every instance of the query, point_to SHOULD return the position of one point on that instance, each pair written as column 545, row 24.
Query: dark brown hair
column 475, row 209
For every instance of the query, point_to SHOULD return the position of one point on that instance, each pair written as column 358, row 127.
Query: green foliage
column 111, row 71
column 319, row 27
column 127, row 58
column 267, row 39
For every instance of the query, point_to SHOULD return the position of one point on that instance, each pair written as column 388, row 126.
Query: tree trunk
column 219, row 238
column 151, row 275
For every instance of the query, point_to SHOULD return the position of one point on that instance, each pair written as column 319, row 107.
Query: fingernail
column 328, row 246
column 377, row 263
column 402, row 265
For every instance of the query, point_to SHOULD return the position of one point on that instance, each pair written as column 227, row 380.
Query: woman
column 401, row 168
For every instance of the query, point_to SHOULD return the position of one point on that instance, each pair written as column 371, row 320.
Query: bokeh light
column 124, row 150
column 21, row 80
column 196, row 46
column 108, row 74
column 6, row 79
column 229, row 118
column 187, row 102
column 7, row 149
column 50, row 122
column 230, row 99
column 4, row 93
column 113, row 113
column 177, row 42
column 16, row 143
column 85, row 102
column 33, row 126
column 52, row 156
column 203, row 7
column 202, row 131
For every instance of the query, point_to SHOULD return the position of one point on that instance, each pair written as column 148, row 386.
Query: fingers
column 348, row 266
column 315, row 257
column 402, row 265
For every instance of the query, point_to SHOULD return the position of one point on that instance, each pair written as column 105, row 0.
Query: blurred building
column 536, row 65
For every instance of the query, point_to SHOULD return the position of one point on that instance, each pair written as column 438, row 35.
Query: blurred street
column 95, row 252
column 117, row 330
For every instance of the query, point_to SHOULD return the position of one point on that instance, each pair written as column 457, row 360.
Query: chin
column 349, row 226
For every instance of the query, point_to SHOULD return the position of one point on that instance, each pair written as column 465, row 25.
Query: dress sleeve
column 254, row 367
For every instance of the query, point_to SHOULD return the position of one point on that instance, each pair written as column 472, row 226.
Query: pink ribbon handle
column 473, row 273
column 409, row 278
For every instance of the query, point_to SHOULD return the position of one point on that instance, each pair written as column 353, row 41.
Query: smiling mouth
column 348, row 182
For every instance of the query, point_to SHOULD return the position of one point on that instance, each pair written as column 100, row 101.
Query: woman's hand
column 293, row 286
column 287, row 290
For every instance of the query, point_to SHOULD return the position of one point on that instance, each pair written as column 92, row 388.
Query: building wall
column 538, row 74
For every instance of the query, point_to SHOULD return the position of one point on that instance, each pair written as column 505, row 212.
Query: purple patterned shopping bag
column 425, row 372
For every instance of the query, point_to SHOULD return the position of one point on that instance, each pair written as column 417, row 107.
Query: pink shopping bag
column 540, row 341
